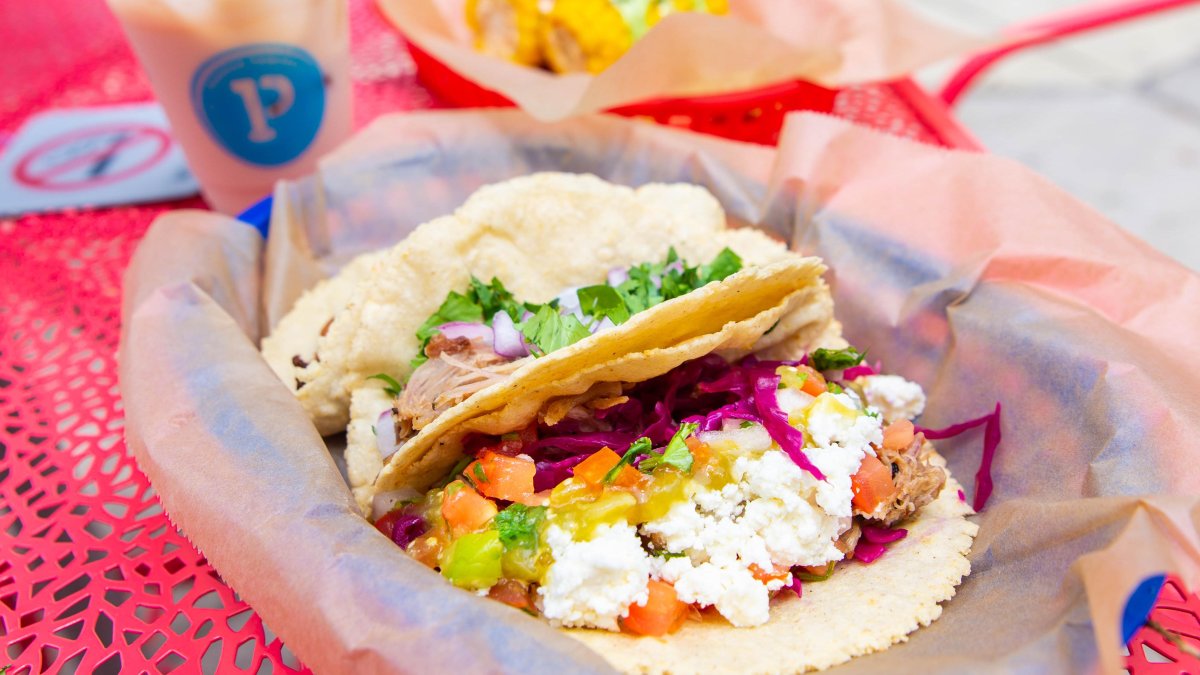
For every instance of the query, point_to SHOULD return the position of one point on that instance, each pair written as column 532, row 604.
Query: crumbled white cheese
column 769, row 516
column 737, row 595
column 893, row 396
column 852, row 431
column 592, row 583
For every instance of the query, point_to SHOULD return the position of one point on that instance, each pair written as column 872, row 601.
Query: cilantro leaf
column 664, row 553
column 547, row 330
column 480, row 474
column 393, row 386
column 726, row 263
column 836, row 359
column 494, row 297
column 639, row 447
column 603, row 301
column 676, row 453
column 518, row 525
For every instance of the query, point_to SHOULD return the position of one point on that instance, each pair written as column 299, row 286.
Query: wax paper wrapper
column 833, row 43
column 966, row 273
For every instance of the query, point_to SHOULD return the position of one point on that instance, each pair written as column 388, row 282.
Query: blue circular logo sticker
column 263, row 102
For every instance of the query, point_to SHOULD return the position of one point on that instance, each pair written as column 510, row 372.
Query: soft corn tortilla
column 539, row 234
column 298, row 332
column 859, row 610
column 730, row 317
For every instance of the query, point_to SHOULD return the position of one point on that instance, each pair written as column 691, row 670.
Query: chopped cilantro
column 393, row 387
column 518, row 525
column 479, row 305
column 548, row 330
column 602, row 301
column 833, row 388
column 663, row 553
column 836, row 359
column 647, row 285
column 493, row 298
column 746, row 424
column 480, row 474
column 726, row 263
column 676, row 453
column 458, row 468
column 639, row 447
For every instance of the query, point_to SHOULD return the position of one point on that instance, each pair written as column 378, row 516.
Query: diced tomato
column 898, row 435
column 872, row 484
column 592, row 470
column 599, row 463
column 663, row 612
column 814, row 384
column 512, row 593
column 774, row 574
column 464, row 509
column 701, row 452
column 502, row 477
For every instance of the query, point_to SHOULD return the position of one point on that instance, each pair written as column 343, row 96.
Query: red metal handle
column 1049, row 29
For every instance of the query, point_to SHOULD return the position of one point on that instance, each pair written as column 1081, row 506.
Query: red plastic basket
column 754, row 115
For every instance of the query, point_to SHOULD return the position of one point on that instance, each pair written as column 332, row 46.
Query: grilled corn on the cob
column 506, row 29
column 570, row 36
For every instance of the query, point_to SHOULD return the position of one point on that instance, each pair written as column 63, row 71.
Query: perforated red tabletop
column 93, row 576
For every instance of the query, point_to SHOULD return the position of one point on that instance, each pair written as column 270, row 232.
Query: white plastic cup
column 255, row 90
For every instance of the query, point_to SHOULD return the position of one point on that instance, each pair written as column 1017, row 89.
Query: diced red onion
column 509, row 342
column 617, row 276
column 469, row 330
column 568, row 300
column 385, row 434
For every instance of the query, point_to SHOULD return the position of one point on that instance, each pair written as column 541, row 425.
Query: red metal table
column 93, row 575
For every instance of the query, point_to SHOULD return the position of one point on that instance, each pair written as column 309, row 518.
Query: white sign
column 101, row 156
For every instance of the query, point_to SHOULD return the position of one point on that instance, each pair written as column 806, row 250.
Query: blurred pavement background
column 1113, row 116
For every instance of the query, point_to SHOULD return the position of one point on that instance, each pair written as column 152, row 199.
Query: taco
column 428, row 294
column 666, row 454
column 793, row 500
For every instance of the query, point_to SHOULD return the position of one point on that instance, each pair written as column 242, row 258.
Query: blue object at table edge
column 258, row 216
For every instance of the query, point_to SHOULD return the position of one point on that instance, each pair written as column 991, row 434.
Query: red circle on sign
column 44, row 178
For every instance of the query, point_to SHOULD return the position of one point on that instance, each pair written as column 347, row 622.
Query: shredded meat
column 440, row 344
column 456, row 369
column 581, row 406
column 918, row 482
column 849, row 540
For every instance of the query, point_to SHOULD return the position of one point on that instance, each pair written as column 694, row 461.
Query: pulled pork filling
column 917, row 481
column 457, row 368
